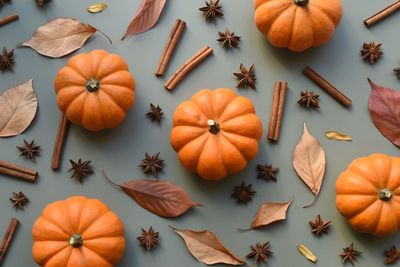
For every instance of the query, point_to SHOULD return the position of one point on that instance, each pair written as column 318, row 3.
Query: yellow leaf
column 307, row 253
column 337, row 136
column 96, row 8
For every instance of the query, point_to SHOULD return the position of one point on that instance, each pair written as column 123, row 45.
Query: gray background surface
column 120, row 150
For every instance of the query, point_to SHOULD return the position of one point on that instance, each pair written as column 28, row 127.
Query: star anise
column 349, row 254
column 243, row 193
column 371, row 52
column 228, row 39
column 397, row 72
column 149, row 239
column 246, row 77
column 309, row 99
column 155, row 113
column 29, row 150
column 152, row 163
column 80, row 169
column 19, row 200
column 42, row 2
column 267, row 172
column 392, row 255
column 212, row 10
column 319, row 226
column 7, row 59
column 260, row 252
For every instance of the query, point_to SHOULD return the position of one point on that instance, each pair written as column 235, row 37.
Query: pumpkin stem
column 301, row 2
column 76, row 240
column 385, row 194
column 93, row 85
column 213, row 126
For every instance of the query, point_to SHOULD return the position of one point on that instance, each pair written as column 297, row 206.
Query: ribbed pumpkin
column 78, row 232
column 297, row 24
column 368, row 194
column 95, row 90
column 216, row 133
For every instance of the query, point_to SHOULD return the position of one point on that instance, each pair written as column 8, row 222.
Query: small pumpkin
column 78, row 232
column 297, row 24
column 368, row 194
column 216, row 133
column 95, row 90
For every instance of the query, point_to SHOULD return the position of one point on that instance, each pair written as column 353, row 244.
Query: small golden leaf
column 334, row 135
column 96, row 8
column 307, row 253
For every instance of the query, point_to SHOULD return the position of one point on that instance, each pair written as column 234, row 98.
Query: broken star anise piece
column 319, row 226
column 212, row 10
column 81, row 169
column 152, row 163
column 260, row 252
column 29, row 150
column 371, row 52
column 309, row 99
column 155, row 113
column 41, row 2
column 228, row 39
column 19, row 200
column 243, row 193
column 247, row 77
column 149, row 239
column 392, row 255
column 349, row 254
column 7, row 59
column 267, row 172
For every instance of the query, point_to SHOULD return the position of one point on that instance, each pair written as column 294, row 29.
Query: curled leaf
column 146, row 17
column 206, row 247
column 18, row 107
column 96, row 8
column 307, row 253
column 270, row 212
column 309, row 162
column 334, row 135
column 60, row 37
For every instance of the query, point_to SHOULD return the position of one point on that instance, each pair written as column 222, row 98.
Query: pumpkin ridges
column 386, row 221
column 74, row 111
column 326, row 7
column 210, row 164
column 73, row 207
column 89, row 215
column 302, row 24
column 238, row 107
column 189, row 154
column 383, row 165
column 221, row 99
column 182, row 135
column 59, row 258
column 233, row 159
column 249, row 148
column 189, row 114
column 361, row 203
column 111, row 114
column 367, row 219
column 350, row 182
column 110, row 64
column 94, row 259
column 107, row 224
column 266, row 13
column 74, row 260
column 97, row 247
column 45, row 225
column 68, row 94
column 394, row 182
column 280, row 31
column 120, row 95
column 320, row 20
column 203, row 100
column 251, row 126
column 79, row 64
column 121, row 78
column 56, row 215
column 96, row 57
column 91, row 115
column 67, row 77
column 44, row 250
column 366, row 174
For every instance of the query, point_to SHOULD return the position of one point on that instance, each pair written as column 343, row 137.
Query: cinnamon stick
column 59, row 143
column 8, row 19
column 8, row 237
column 12, row 169
column 327, row 87
column 384, row 13
column 278, row 103
column 186, row 68
column 172, row 42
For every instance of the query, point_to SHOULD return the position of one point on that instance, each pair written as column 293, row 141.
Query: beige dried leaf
column 335, row 135
column 309, row 162
column 206, row 247
column 96, row 8
column 307, row 253
column 18, row 107
column 270, row 212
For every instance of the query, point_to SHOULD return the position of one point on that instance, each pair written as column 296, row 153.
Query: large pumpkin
column 95, row 90
column 78, row 232
column 368, row 194
column 297, row 24
column 216, row 133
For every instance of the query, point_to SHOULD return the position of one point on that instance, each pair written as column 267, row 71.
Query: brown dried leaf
column 96, row 8
column 18, row 107
column 307, row 253
column 309, row 162
column 146, row 17
column 60, row 37
column 335, row 135
column 206, row 247
column 270, row 212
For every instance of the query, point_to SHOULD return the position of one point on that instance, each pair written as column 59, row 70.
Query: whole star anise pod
column 155, row 113
column 309, row 99
column 319, row 226
column 212, row 10
column 397, row 72
column 149, row 239
column 152, row 163
column 29, row 150
column 81, row 169
column 392, row 255
column 41, row 2
column 260, row 252
column 246, row 77
column 243, row 193
column 7, row 59
column 371, row 52
column 267, row 172
column 349, row 254
column 19, row 200
column 228, row 39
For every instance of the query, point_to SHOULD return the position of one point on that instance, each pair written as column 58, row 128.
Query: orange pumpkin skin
column 58, row 232
column 216, row 133
column 95, row 90
column 368, row 194
column 297, row 24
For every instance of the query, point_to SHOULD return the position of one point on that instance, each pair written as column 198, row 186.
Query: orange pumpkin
column 95, row 90
column 216, row 133
column 368, row 194
column 297, row 24
column 78, row 232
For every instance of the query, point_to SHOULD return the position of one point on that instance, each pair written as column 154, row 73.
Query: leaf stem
column 109, row 180
column 105, row 35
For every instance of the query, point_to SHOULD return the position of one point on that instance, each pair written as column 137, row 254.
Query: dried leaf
column 60, row 37
column 159, row 197
column 307, row 253
column 146, row 17
column 270, row 213
column 309, row 162
column 334, row 135
column 18, row 107
column 206, row 247
column 96, row 8
column 384, row 107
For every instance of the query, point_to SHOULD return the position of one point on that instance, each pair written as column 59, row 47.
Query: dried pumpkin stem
column 93, row 85
column 385, row 194
column 301, row 2
column 76, row 241
column 213, row 126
